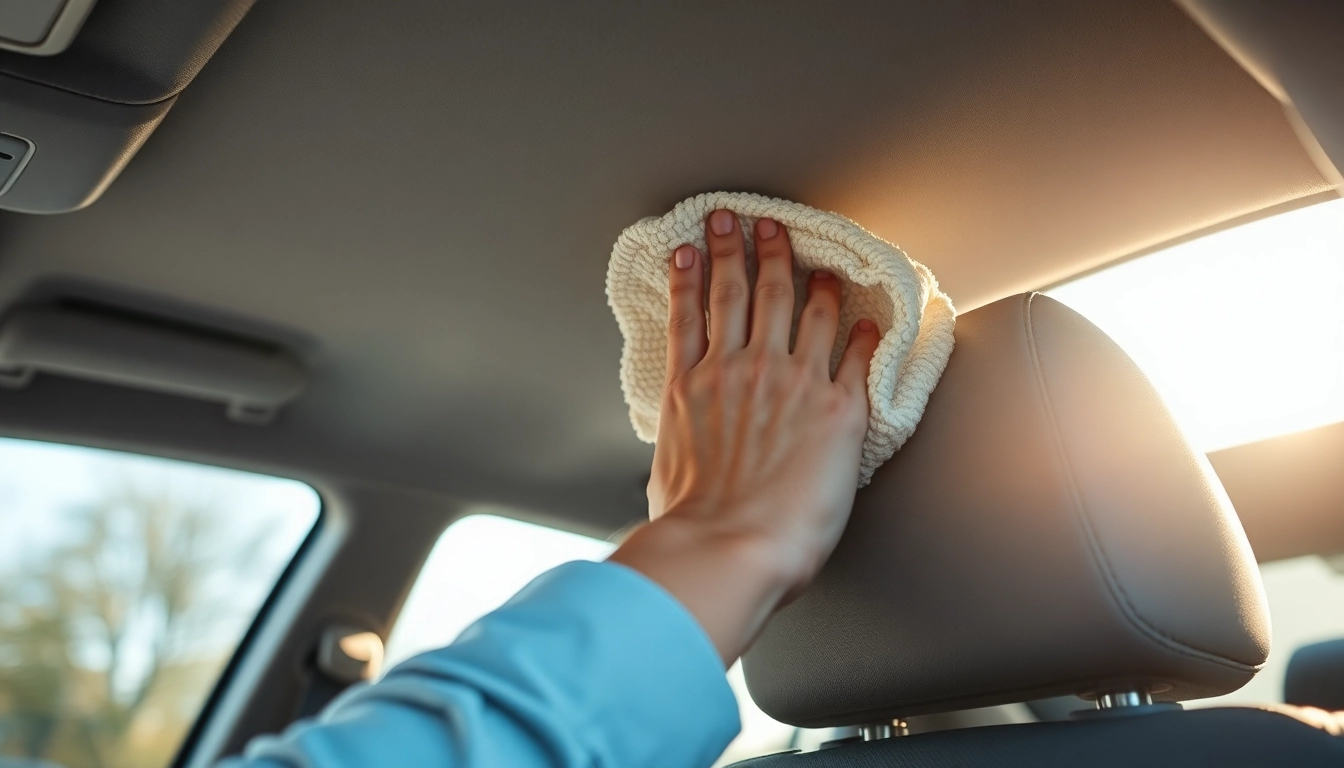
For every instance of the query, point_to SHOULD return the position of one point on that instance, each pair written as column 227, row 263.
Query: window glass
column 479, row 563
column 126, row 583
column 1241, row 331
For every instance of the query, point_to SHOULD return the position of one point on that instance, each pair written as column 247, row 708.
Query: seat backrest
column 1227, row 738
column 1315, row 676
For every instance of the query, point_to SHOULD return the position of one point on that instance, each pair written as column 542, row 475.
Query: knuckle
column 774, row 291
column 725, row 251
column 796, row 378
column 771, row 371
column 729, row 292
column 837, row 403
column 731, row 373
column 682, row 322
column 684, row 289
column 761, row 366
column 820, row 312
column 857, row 357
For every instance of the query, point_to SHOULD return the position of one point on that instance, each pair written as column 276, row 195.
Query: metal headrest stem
column 884, row 730
column 1120, row 699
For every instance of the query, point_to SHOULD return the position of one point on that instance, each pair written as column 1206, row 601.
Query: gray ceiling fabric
column 373, row 190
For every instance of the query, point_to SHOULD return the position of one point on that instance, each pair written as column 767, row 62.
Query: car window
column 481, row 560
column 126, row 584
column 1242, row 331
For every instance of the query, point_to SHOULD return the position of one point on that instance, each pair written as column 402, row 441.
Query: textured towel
column 878, row 282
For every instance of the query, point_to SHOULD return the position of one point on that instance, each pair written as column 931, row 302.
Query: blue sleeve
column 590, row 665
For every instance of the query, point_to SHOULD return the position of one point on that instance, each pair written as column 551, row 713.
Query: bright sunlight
column 1241, row 331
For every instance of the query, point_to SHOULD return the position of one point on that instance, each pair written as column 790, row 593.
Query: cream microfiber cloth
column 878, row 281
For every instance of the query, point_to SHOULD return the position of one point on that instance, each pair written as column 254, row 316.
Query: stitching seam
column 1081, row 513
column 104, row 99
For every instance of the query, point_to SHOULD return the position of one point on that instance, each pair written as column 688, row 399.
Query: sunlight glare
column 1242, row 331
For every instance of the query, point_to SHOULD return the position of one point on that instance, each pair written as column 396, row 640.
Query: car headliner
column 421, row 203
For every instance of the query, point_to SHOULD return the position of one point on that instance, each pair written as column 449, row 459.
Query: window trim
column 215, row 700
column 205, row 741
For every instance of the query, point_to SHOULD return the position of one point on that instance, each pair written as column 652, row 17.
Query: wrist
column 730, row 579
column 766, row 555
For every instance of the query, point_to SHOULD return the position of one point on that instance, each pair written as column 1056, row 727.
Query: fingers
column 685, row 311
column 728, row 302
column 772, row 309
column 853, row 370
column 820, row 320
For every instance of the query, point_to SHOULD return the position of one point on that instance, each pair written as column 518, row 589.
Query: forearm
column 729, row 580
column 589, row 665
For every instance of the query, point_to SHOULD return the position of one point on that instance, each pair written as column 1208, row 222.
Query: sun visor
column 70, row 122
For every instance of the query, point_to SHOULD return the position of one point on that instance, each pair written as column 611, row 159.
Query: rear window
column 126, row 583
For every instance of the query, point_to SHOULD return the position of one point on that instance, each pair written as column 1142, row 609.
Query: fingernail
column 867, row 326
column 721, row 222
column 684, row 257
column 767, row 228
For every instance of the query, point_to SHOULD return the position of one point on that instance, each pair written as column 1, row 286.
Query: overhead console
column 83, row 83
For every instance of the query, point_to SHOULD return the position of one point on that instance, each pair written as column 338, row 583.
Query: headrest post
column 1121, row 699
column 884, row 730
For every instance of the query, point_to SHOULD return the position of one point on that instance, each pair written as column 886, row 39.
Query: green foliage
column 111, row 639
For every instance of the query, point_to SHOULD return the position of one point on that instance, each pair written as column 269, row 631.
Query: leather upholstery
column 1046, row 531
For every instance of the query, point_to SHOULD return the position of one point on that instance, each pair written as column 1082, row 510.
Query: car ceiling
column 421, row 203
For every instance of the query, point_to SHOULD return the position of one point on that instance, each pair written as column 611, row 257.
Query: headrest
column 1046, row 531
column 1315, row 676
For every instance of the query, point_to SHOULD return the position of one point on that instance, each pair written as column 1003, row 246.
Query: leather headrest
column 1047, row 531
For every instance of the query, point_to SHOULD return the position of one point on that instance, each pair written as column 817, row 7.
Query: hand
column 757, row 457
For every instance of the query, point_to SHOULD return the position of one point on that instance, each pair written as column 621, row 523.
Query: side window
column 479, row 563
column 126, row 583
